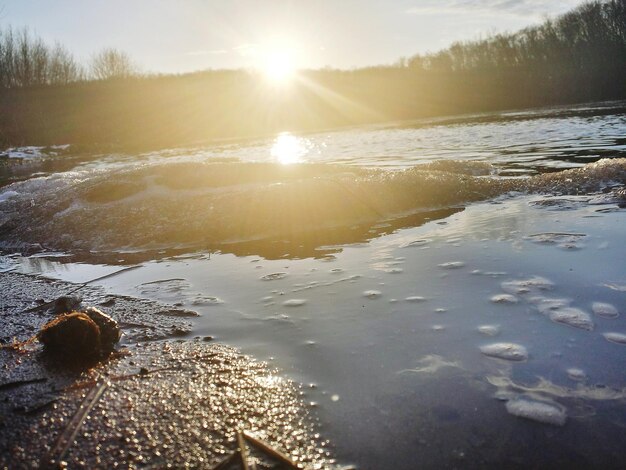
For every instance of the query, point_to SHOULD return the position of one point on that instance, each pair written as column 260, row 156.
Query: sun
column 279, row 66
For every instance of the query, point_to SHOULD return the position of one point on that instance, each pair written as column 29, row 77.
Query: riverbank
column 161, row 401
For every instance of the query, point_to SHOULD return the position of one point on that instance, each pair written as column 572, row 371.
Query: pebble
column 507, row 351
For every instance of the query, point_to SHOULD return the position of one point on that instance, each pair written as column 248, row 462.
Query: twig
column 265, row 447
column 66, row 439
column 106, row 276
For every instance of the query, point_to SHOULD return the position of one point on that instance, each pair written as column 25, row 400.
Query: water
column 449, row 296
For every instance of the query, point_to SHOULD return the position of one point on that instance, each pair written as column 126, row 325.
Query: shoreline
column 166, row 400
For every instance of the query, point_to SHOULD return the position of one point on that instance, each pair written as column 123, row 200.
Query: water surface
column 449, row 294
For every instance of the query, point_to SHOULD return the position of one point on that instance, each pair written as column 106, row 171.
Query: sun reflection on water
column 288, row 148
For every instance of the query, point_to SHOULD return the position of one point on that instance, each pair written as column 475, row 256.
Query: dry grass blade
column 65, row 440
column 269, row 450
column 243, row 452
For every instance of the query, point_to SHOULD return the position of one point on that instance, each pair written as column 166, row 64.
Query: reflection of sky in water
column 417, row 366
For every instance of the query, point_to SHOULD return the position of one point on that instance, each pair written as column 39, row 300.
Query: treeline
column 582, row 49
column 27, row 61
column 577, row 57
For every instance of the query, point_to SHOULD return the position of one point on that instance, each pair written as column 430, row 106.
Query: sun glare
column 288, row 149
column 279, row 66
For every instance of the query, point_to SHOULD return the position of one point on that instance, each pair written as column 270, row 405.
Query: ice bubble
column 441, row 310
column 438, row 328
column 605, row 310
column 576, row 374
column 415, row 298
column 372, row 294
column 572, row 317
column 452, row 265
column 619, row 338
column 540, row 411
column 504, row 299
column 508, row 351
column 489, row 330
column 273, row 276
column 523, row 286
column 294, row 302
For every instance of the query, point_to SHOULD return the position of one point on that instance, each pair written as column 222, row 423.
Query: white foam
column 504, row 299
column 507, row 351
column 619, row 338
column 206, row 300
column 452, row 265
column 605, row 310
column 273, row 276
column 572, row 317
column 489, row 330
column 524, row 286
column 372, row 294
column 294, row 302
column 546, row 304
column 540, row 411
column 576, row 374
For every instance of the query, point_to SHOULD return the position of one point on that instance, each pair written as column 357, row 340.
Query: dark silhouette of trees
column 577, row 57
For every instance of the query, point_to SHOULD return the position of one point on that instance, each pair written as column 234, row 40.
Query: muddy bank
column 158, row 402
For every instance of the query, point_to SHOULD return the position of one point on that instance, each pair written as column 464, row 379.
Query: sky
column 177, row 36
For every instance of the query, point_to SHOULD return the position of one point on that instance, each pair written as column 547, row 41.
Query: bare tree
column 25, row 60
column 112, row 63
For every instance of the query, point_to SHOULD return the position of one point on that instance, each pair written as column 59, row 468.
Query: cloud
column 524, row 8
column 210, row 52
column 246, row 49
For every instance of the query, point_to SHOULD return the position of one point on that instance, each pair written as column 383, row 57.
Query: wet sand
column 158, row 402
